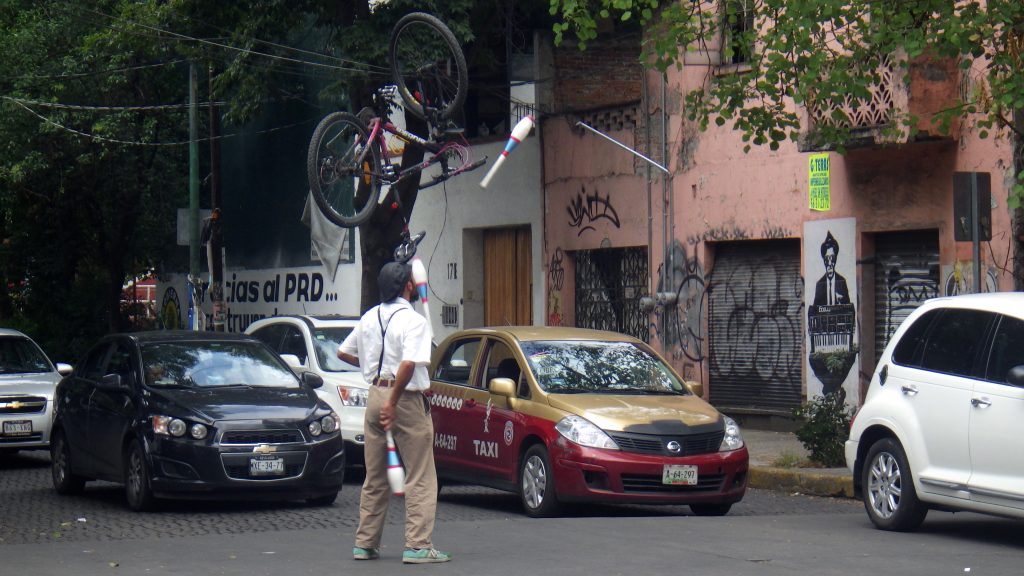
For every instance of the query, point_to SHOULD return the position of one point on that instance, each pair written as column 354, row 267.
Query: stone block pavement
column 778, row 461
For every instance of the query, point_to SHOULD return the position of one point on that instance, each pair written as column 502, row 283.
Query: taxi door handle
column 909, row 390
column 980, row 402
column 470, row 402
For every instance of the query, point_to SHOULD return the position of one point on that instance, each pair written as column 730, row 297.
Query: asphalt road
column 768, row 533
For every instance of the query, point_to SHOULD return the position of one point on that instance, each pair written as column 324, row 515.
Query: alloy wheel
column 885, row 485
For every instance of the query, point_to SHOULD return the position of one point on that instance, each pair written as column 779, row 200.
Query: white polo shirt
column 407, row 339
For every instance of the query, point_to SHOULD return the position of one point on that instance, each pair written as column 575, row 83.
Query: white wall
column 455, row 267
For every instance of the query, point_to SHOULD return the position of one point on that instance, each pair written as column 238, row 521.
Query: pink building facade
column 770, row 277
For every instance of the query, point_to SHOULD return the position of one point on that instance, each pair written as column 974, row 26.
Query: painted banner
column 830, row 271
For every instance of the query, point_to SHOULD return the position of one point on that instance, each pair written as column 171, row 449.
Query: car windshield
column 573, row 367
column 326, row 342
column 19, row 355
column 212, row 364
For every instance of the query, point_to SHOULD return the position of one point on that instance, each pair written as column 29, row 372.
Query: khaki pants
column 414, row 435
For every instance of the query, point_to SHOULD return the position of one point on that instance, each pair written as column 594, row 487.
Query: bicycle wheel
column 344, row 187
column 428, row 66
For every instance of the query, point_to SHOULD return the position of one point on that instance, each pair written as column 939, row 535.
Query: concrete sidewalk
column 778, row 461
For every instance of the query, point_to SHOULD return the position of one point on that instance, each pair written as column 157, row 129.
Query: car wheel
column 710, row 509
column 136, row 479
column 889, row 495
column 537, row 484
column 64, row 480
column 325, row 500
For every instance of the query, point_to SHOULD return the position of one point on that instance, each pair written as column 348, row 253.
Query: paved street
column 768, row 533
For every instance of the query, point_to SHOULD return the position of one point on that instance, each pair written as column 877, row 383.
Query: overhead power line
column 90, row 108
column 99, row 138
column 356, row 67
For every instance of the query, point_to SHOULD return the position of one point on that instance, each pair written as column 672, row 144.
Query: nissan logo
column 674, row 447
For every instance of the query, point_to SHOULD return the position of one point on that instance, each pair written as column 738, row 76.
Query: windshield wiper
column 570, row 390
column 634, row 390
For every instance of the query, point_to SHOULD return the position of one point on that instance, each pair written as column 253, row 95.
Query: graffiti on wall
column 766, row 312
column 960, row 279
column 679, row 326
column 907, row 286
column 586, row 209
column 556, row 279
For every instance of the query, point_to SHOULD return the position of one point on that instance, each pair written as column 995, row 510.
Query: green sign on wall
column 818, row 182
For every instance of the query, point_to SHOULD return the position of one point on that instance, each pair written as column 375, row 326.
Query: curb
column 800, row 481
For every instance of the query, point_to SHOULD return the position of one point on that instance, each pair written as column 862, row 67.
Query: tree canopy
column 804, row 51
column 94, row 131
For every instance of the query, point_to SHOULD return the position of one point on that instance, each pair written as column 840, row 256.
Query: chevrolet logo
column 12, row 405
column 264, row 449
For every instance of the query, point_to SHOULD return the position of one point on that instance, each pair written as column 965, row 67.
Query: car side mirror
column 113, row 382
column 312, row 380
column 695, row 388
column 503, row 387
column 1016, row 376
column 64, row 369
column 291, row 360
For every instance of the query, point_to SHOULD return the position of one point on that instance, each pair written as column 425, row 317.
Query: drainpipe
column 669, row 202
column 644, row 103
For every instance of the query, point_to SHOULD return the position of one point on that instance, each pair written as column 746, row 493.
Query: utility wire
column 137, row 143
column 84, row 107
column 93, row 73
column 362, row 67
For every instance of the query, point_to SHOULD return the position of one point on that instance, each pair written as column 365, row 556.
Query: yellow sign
column 818, row 179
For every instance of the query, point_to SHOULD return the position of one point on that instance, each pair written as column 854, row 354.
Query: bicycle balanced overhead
column 349, row 161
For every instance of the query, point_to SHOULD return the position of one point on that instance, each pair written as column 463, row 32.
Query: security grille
column 609, row 285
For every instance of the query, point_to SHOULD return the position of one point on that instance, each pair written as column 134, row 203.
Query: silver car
column 27, row 382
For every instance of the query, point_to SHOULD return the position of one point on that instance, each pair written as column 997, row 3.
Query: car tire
column 65, row 481
column 325, row 500
column 136, row 479
column 537, row 484
column 890, row 498
column 710, row 509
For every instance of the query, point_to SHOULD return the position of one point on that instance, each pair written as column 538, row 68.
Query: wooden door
column 507, row 280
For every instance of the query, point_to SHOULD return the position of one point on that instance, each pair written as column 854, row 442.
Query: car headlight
column 314, row 428
column 351, row 396
column 329, row 423
column 732, row 440
column 176, row 427
column 583, row 432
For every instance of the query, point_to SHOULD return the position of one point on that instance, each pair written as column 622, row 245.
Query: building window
column 738, row 31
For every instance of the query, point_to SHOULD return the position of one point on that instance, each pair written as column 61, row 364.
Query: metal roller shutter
column 906, row 274
column 756, row 325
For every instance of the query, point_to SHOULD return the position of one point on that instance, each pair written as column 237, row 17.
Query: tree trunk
column 382, row 233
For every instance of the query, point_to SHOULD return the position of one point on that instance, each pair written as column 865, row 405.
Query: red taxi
column 565, row 414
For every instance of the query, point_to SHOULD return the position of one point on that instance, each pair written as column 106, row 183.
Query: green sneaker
column 365, row 553
column 424, row 556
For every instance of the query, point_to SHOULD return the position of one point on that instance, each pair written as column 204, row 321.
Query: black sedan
column 174, row 414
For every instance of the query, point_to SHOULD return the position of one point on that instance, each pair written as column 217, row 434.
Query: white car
column 944, row 414
column 310, row 344
column 27, row 382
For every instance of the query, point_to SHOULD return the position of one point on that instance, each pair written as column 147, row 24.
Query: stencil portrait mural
column 830, row 272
